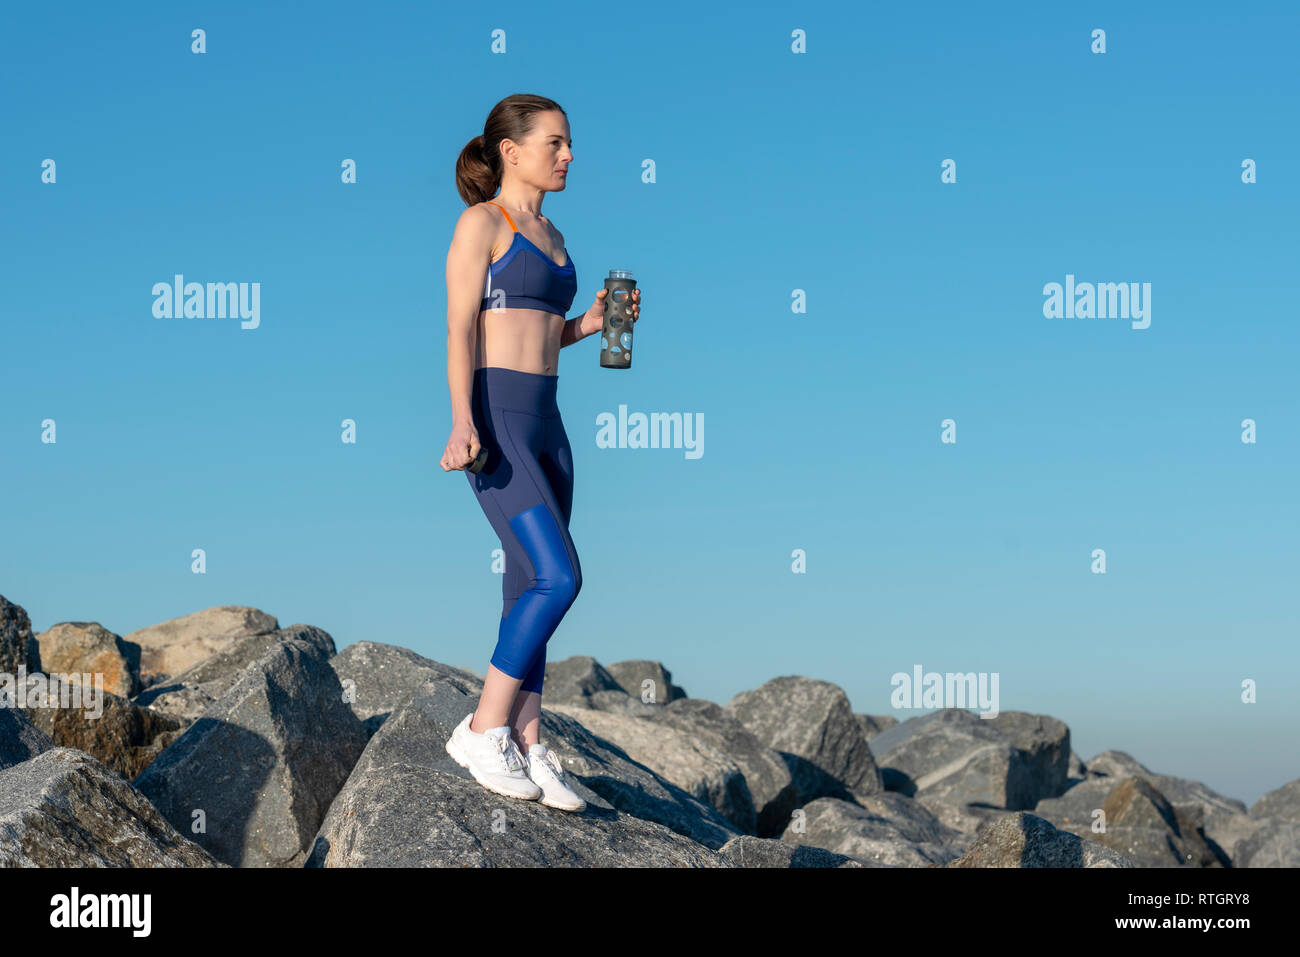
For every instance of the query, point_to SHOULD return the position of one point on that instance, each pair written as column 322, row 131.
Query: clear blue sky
column 775, row 172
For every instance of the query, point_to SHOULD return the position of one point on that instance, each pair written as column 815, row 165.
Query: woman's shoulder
column 479, row 219
column 476, row 233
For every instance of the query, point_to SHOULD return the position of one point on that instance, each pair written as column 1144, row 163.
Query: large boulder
column 646, row 681
column 379, row 678
column 811, row 724
column 1078, row 807
column 1011, row 762
column 1273, row 838
column 1026, row 840
column 1044, row 746
column 884, row 829
column 767, row 777
column 1140, row 822
column 176, row 645
column 1143, row 826
column 187, row 695
column 118, row 732
column 629, row 786
column 62, row 808
column 408, row 804
column 1273, row 842
column 79, row 650
column 265, row 760
column 574, row 680
column 692, row 762
column 1224, row 819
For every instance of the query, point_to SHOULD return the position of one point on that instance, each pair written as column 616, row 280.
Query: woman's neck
column 530, row 203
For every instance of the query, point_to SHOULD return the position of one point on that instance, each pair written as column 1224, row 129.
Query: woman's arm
column 573, row 332
column 467, row 258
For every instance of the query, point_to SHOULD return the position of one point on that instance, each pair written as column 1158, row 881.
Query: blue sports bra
column 529, row 282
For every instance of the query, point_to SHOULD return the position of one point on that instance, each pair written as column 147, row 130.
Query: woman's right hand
column 462, row 447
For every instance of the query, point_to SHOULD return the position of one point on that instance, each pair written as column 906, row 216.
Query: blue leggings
column 526, row 491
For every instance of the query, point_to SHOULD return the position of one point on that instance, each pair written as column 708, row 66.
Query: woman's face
column 544, row 155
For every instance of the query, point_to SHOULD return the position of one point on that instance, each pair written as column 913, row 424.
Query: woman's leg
column 556, row 462
column 526, row 720
column 499, row 692
column 543, row 577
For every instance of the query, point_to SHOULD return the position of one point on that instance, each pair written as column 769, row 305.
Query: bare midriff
column 527, row 340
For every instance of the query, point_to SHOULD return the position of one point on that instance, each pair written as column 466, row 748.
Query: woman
column 506, row 300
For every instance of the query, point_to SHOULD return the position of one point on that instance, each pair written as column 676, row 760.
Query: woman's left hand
column 593, row 320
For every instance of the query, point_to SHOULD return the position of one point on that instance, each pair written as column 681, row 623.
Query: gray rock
column 811, row 724
column 767, row 778
column 646, row 679
column 265, row 760
column 885, row 828
column 380, row 678
column 619, row 702
column 1010, row 762
column 630, row 786
column 576, row 679
column 1225, row 819
column 18, row 646
column 1116, row 764
column 692, row 761
column 1044, row 746
column 1026, row 840
column 749, row 851
column 1077, row 770
column 188, row 695
column 1143, row 826
column 62, row 808
column 1274, row 842
column 1226, row 834
column 966, row 819
column 408, row 804
column 1283, row 803
column 81, row 649
column 173, row 646
column 20, row 740
column 175, row 700
column 873, row 724
column 1077, row 806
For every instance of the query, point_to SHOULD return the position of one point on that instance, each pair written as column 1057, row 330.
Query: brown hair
column 478, row 169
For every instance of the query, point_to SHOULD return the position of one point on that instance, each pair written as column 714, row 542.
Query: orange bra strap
column 506, row 215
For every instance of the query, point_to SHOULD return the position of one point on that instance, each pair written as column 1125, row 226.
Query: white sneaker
column 493, row 758
column 545, row 770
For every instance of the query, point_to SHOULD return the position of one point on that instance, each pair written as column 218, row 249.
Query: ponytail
column 479, row 166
